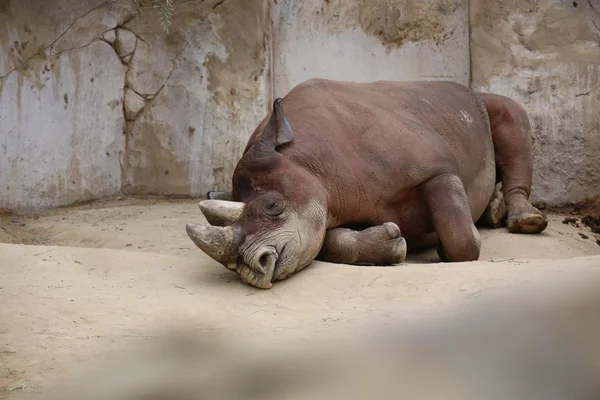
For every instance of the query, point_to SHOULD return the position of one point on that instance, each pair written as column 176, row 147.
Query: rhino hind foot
column 526, row 219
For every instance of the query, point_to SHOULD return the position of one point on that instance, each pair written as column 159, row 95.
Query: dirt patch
column 592, row 222
column 590, row 205
column 571, row 221
column 589, row 212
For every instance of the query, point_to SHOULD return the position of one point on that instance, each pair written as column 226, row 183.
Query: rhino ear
column 278, row 131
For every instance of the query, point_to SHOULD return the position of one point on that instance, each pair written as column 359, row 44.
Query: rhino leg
column 448, row 206
column 376, row 245
column 511, row 133
column 495, row 213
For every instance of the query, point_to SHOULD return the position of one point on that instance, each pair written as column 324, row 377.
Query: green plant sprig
column 165, row 12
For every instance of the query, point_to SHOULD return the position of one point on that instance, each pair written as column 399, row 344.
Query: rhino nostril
column 266, row 261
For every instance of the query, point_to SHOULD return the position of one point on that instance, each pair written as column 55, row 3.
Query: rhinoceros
column 362, row 173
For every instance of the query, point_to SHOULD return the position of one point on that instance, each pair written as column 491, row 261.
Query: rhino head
column 276, row 223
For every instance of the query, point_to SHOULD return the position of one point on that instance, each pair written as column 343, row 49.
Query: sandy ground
column 79, row 281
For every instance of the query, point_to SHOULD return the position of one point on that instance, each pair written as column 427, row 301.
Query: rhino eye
column 273, row 207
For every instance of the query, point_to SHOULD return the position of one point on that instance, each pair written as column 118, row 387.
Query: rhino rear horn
column 221, row 212
column 278, row 131
column 219, row 243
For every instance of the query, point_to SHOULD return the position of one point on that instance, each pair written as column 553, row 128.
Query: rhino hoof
column 525, row 218
column 527, row 223
column 400, row 250
column 392, row 229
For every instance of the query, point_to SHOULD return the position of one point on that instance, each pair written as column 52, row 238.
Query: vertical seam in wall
column 270, row 61
column 470, row 77
column 124, row 159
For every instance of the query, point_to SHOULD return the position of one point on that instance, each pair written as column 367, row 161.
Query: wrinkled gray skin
column 361, row 173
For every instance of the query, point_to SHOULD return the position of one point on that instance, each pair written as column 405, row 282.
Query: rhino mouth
column 260, row 268
column 268, row 265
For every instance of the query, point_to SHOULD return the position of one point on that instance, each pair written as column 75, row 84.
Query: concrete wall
column 61, row 94
column 96, row 100
column 367, row 40
column 546, row 55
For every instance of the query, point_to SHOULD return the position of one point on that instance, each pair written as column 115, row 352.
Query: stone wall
column 61, row 95
column 367, row 40
column 546, row 55
column 96, row 99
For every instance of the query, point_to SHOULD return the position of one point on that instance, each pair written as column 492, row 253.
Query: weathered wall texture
column 203, row 89
column 546, row 55
column 366, row 40
column 96, row 99
column 61, row 118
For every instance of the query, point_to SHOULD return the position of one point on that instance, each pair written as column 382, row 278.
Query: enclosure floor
column 83, row 280
column 158, row 226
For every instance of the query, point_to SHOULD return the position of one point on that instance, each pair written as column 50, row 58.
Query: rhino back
column 375, row 143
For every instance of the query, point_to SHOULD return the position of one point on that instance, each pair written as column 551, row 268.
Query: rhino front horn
column 221, row 212
column 219, row 243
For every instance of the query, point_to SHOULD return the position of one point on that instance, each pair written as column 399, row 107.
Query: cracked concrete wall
column 201, row 90
column 367, row 40
column 96, row 100
column 546, row 55
column 61, row 96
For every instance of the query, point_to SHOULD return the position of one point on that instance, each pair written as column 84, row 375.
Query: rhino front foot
column 525, row 218
column 377, row 245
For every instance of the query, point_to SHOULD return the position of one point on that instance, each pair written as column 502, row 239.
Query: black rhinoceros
column 339, row 170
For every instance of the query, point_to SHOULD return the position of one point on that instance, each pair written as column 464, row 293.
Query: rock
column 133, row 104
column 125, row 42
column 110, row 36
